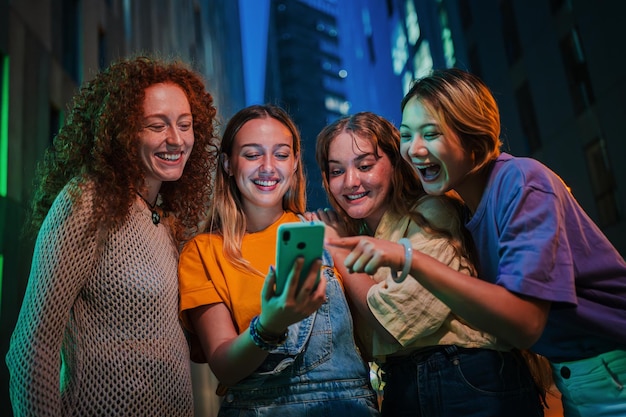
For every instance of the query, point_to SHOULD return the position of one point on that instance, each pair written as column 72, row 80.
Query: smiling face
column 435, row 152
column 263, row 163
column 359, row 179
column 166, row 140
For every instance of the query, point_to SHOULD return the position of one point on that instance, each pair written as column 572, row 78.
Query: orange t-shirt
column 205, row 276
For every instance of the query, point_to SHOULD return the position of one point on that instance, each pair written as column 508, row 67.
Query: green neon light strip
column 4, row 128
column 4, row 145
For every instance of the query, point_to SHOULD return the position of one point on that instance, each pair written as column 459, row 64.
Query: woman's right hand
column 291, row 306
column 367, row 254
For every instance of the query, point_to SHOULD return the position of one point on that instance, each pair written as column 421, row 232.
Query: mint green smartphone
column 294, row 240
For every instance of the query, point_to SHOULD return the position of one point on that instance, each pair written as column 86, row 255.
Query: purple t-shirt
column 533, row 238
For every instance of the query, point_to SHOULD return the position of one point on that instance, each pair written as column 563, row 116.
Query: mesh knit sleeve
column 63, row 256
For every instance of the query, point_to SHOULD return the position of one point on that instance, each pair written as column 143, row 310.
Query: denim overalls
column 317, row 372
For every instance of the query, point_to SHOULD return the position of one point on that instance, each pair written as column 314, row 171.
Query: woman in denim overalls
column 317, row 365
column 291, row 354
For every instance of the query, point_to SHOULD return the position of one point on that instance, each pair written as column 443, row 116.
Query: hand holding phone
column 295, row 240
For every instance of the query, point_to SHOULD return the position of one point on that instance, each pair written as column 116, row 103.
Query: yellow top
column 205, row 276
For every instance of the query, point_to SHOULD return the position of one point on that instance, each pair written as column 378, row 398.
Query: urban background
column 556, row 68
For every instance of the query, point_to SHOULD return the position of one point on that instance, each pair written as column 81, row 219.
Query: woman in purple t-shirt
column 549, row 278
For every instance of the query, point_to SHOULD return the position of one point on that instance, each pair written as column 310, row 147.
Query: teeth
column 429, row 172
column 266, row 183
column 170, row 156
column 355, row 196
column 424, row 166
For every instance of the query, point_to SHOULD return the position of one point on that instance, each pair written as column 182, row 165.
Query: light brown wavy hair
column 406, row 191
column 99, row 142
column 227, row 217
column 464, row 104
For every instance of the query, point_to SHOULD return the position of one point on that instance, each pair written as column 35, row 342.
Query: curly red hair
column 99, row 144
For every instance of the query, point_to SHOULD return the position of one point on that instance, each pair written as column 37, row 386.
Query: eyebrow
column 422, row 126
column 164, row 116
column 259, row 145
column 358, row 158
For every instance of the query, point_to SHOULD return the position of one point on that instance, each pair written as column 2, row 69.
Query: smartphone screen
column 294, row 240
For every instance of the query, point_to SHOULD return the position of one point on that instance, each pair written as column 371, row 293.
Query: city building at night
column 555, row 68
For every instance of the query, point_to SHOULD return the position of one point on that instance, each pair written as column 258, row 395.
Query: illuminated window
column 337, row 105
column 423, row 60
column 446, row 38
column 399, row 50
column 412, row 25
column 327, row 29
column 407, row 80
column 448, row 48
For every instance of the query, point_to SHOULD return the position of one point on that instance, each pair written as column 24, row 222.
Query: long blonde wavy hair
column 228, row 219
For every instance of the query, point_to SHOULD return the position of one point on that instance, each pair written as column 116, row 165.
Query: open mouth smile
column 169, row 156
column 353, row 197
column 429, row 172
column 265, row 183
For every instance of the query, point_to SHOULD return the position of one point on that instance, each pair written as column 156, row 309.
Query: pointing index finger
column 344, row 242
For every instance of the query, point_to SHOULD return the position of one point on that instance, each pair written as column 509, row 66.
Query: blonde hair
column 228, row 219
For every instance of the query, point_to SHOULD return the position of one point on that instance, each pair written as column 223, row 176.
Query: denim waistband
column 450, row 351
column 297, row 392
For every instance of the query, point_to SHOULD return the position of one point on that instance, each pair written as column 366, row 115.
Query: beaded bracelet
column 408, row 259
column 262, row 340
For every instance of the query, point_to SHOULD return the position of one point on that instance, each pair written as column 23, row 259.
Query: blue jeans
column 317, row 372
column 449, row 381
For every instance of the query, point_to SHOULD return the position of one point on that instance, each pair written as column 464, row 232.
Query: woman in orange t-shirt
column 289, row 354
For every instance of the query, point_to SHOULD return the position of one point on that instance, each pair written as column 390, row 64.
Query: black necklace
column 156, row 218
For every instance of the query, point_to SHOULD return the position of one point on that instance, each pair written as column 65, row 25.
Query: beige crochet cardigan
column 98, row 332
